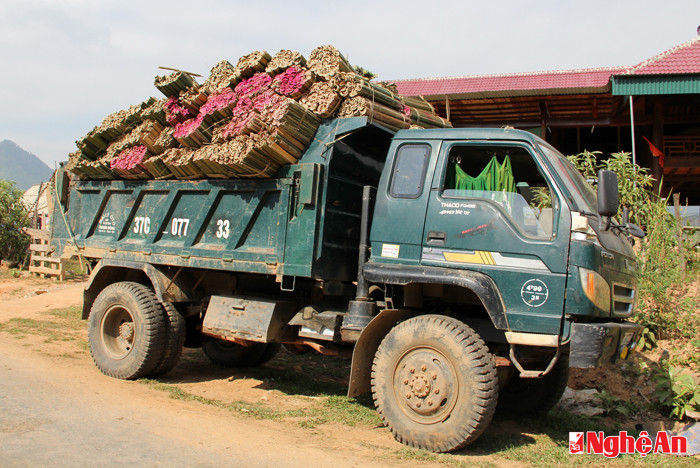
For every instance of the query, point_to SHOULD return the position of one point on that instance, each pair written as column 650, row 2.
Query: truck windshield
column 581, row 194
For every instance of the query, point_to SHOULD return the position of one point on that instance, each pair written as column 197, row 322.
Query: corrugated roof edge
column 511, row 75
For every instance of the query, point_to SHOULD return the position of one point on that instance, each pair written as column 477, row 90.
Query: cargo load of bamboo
column 244, row 120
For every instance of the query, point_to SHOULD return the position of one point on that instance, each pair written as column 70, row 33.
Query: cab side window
column 507, row 176
column 408, row 175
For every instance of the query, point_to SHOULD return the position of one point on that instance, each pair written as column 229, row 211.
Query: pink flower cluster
column 290, row 81
column 129, row 158
column 174, row 111
column 254, row 85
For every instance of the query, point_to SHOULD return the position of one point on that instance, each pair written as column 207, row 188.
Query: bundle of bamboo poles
column 246, row 120
column 253, row 63
column 322, row 99
column 127, row 164
column 192, row 133
column 174, row 83
column 327, row 61
column 283, row 60
column 155, row 111
column 223, row 75
column 294, row 82
column 112, row 127
column 383, row 115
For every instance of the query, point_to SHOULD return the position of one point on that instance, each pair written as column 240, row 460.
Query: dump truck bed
column 305, row 222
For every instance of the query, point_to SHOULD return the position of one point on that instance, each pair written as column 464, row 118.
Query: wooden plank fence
column 41, row 262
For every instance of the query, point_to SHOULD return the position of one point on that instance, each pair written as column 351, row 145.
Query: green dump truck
column 460, row 268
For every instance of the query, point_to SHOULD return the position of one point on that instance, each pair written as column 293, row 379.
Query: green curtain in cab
column 495, row 177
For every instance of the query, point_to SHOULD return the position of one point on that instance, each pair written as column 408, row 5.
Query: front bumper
column 596, row 344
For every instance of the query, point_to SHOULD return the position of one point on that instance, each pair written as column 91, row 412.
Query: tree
column 13, row 217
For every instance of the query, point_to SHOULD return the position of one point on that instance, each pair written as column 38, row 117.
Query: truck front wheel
column 228, row 354
column 126, row 331
column 434, row 383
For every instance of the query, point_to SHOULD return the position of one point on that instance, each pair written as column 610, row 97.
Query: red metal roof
column 535, row 83
column 684, row 58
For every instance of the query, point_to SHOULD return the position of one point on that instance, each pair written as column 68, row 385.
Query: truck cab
column 496, row 224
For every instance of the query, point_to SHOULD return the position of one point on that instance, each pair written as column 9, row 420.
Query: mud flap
column 366, row 348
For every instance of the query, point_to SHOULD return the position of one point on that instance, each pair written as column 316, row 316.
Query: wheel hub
column 420, row 386
column 117, row 332
column 426, row 385
column 126, row 330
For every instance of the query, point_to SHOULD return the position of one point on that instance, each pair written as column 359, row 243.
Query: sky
column 67, row 64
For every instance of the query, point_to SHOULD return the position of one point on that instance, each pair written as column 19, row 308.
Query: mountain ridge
column 21, row 166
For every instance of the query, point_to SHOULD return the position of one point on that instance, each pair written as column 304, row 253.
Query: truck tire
column 175, row 333
column 228, row 354
column 434, row 383
column 126, row 331
column 535, row 396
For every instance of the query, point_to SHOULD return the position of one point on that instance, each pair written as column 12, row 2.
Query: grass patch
column 324, row 409
column 70, row 316
column 60, row 325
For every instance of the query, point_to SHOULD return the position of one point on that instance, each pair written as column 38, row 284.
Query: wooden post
column 658, row 139
column 679, row 233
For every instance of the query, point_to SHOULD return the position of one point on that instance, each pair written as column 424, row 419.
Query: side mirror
column 608, row 195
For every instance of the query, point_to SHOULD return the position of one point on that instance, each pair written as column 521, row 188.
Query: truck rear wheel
column 534, row 396
column 434, row 383
column 126, row 331
column 175, row 332
column 228, row 354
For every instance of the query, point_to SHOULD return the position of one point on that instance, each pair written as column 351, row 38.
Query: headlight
column 595, row 287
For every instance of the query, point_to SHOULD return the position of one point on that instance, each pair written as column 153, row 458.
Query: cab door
column 402, row 199
column 492, row 208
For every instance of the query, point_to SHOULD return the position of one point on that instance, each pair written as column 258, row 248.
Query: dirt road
column 57, row 409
